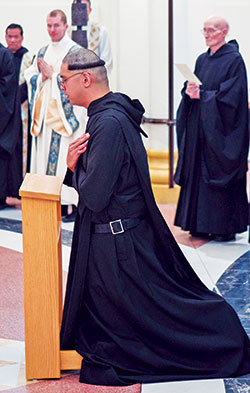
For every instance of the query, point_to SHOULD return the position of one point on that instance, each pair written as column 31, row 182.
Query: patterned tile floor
column 222, row 267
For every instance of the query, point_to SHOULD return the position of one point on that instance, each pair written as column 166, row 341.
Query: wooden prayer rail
column 42, row 261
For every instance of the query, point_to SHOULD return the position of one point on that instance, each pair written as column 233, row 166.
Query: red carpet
column 71, row 385
column 11, row 295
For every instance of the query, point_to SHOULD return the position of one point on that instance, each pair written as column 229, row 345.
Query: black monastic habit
column 15, row 176
column 9, row 125
column 134, row 308
column 213, row 145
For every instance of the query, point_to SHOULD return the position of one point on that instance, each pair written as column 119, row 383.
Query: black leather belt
column 117, row 226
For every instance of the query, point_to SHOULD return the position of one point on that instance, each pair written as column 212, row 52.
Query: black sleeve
column 224, row 123
column 68, row 178
column 8, row 87
column 23, row 92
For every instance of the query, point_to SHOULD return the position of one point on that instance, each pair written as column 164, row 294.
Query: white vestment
column 55, row 122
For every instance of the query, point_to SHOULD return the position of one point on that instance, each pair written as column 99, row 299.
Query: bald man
column 212, row 131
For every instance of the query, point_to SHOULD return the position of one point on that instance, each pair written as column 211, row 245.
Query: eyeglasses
column 64, row 80
column 209, row 31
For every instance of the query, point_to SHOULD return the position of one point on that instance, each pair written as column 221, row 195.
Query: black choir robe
column 15, row 176
column 213, row 141
column 134, row 308
column 9, row 125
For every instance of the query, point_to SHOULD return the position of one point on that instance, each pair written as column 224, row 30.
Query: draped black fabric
column 213, row 145
column 9, row 125
column 15, row 174
column 134, row 308
column 18, row 56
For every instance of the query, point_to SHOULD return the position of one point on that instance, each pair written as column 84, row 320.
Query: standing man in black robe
column 9, row 130
column 212, row 132
column 22, row 59
column 134, row 308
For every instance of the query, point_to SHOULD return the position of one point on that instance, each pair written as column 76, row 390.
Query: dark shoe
column 224, row 238
column 70, row 217
column 64, row 210
column 3, row 204
column 200, row 234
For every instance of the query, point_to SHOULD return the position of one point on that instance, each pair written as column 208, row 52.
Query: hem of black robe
column 103, row 373
column 189, row 228
column 148, row 379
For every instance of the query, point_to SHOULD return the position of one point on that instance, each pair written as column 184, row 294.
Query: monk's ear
column 86, row 79
column 225, row 31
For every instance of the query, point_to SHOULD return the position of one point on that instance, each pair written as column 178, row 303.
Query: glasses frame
column 209, row 33
column 63, row 81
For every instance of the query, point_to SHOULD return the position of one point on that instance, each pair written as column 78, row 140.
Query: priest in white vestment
column 55, row 122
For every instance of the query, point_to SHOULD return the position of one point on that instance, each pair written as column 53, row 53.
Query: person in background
column 212, row 133
column 54, row 121
column 9, row 127
column 98, row 39
column 134, row 308
column 22, row 60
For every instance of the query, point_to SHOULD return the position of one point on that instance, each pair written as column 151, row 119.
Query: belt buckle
column 113, row 229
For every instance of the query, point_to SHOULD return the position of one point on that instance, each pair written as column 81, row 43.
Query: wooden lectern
column 42, row 260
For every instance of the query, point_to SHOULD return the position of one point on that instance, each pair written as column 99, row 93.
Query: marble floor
column 222, row 267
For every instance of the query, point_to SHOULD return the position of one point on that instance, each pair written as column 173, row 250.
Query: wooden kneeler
column 42, row 260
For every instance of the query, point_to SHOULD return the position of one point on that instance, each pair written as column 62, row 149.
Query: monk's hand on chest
column 76, row 148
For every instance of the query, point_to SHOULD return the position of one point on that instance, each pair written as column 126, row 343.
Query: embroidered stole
column 26, row 62
column 94, row 37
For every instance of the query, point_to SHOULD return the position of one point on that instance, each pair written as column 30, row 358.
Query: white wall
column 142, row 60
column 139, row 36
